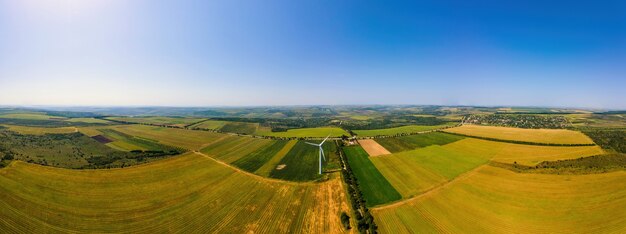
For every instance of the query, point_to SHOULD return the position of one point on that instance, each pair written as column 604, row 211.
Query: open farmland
column 127, row 142
column 233, row 148
column 398, row 130
column 545, row 136
column 269, row 166
column 256, row 159
column 209, row 124
column 89, row 120
column 33, row 116
column 376, row 189
column 373, row 148
column 159, row 120
column 417, row 171
column 404, row 143
column 301, row 163
column 495, row 200
column 240, row 127
column 189, row 193
column 188, row 139
column 306, row 132
column 39, row 130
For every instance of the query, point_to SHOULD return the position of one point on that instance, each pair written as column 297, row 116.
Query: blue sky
column 207, row 53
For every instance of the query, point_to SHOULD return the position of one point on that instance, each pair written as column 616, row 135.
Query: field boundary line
column 272, row 180
column 430, row 191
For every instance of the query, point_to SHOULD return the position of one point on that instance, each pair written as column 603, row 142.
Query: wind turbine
column 321, row 155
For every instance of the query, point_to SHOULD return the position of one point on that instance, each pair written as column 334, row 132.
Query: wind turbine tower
column 321, row 154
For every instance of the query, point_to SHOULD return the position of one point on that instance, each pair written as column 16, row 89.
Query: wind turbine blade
column 311, row 143
column 322, row 152
column 325, row 139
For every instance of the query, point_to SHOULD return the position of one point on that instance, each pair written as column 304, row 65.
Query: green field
column 398, row 130
column 188, row 139
column 210, row 124
column 376, row 189
column 399, row 144
column 159, row 120
column 301, row 163
column 232, row 148
column 89, row 120
column 240, row 127
column 256, row 159
column 305, row 132
column 417, row 171
column 127, row 142
column 187, row 194
column 495, row 200
column 269, row 166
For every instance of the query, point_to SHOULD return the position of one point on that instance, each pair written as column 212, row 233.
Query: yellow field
column 186, row 194
column 531, row 155
column 35, row 116
column 188, row 139
column 231, row 148
column 38, row 130
column 552, row 136
column 90, row 131
column 495, row 200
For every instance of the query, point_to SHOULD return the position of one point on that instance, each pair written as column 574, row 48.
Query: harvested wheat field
column 544, row 136
column 189, row 193
column 495, row 200
column 373, row 148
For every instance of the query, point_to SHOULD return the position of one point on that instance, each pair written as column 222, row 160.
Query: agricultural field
column 240, row 127
column 159, row 120
column 256, row 159
column 39, row 130
column 73, row 150
column 376, row 189
column 301, row 162
column 373, row 148
column 542, row 136
column 404, row 143
column 209, row 124
column 232, row 148
column 89, row 120
column 32, row 116
column 417, row 171
column 305, row 132
column 189, row 193
column 274, row 161
column 398, row 130
column 495, row 200
column 188, row 139
column 125, row 142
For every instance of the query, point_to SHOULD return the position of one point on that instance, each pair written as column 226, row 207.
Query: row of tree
column 365, row 220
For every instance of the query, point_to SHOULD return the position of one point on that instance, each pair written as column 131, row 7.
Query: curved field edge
column 521, row 135
column 495, row 200
column 188, row 193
